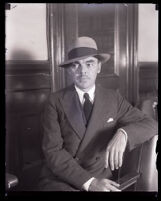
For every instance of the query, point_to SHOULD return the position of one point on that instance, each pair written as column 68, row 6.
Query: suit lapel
column 99, row 114
column 73, row 111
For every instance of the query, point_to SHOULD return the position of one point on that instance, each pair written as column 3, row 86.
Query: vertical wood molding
column 56, row 44
column 71, row 30
column 50, row 41
column 116, row 43
column 136, row 97
column 132, row 49
column 59, row 45
column 122, row 58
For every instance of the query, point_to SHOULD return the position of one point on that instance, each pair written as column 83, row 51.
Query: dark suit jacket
column 75, row 153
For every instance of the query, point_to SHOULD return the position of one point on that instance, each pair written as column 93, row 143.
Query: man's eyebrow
column 75, row 62
column 92, row 60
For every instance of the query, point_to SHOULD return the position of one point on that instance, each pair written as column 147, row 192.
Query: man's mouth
column 83, row 77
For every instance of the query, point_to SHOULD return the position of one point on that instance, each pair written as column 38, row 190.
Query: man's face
column 84, row 72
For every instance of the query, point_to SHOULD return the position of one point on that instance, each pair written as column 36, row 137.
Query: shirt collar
column 91, row 93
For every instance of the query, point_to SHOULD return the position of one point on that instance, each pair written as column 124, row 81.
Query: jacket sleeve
column 138, row 126
column 59, row 160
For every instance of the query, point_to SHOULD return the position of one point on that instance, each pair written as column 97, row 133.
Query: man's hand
column 115, row 150
column 103, row 185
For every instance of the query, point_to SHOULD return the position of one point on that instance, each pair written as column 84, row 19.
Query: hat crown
column 84, row 42
column 84, row 47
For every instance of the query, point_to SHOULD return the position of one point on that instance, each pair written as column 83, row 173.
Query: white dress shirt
column 81, row 93
column 91, row 93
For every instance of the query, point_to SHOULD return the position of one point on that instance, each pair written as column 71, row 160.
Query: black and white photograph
column 81, row 97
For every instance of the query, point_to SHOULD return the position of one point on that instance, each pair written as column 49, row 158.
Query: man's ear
column 99, row 66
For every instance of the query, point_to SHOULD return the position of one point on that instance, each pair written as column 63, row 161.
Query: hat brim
column 102, row 57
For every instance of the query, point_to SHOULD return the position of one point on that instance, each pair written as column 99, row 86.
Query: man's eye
column 75, row 65
column 89, row 64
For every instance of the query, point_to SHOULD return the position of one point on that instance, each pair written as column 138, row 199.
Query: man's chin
column 84, row 87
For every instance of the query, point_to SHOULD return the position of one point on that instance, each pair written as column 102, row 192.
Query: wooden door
column 114, row 27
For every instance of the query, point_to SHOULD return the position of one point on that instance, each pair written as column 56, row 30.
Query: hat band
column 81, row 52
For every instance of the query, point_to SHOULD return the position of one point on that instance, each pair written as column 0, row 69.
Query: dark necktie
column 87, row 107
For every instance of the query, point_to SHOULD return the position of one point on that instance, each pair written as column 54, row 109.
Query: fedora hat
column 84, row 47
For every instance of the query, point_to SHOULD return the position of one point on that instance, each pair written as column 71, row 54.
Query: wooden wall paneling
column 101, row 22
column 98, row 21
column 148, row 76
column 26, row 67
column 27, row 88
column 118, row 79
column 27, row 82
column 30, row 141
column 126, row 50
column 116, row 35
column 109, row 76
column 33, row 101
column 12, row 155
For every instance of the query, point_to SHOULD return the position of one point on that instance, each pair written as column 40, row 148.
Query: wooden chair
column 11, row 181
column 139, row 170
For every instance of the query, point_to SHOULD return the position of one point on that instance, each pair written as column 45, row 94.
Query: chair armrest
column 128, row 180
column 11, row 181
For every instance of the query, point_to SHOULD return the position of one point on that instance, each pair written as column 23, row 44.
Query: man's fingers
column 114, row 158
column 114, row 183
column 112, row 188
column 116, row 162
column 111, row 185
column 111, row 159
column 106, row 190
column 120, row 156
column 106, row 159
column 103, row 185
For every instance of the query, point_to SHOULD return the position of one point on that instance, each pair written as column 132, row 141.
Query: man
column 85, row 136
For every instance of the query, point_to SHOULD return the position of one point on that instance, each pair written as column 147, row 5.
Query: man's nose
column 83, row 68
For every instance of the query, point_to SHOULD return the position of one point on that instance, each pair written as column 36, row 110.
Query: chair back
column 148, row 180
column 143, row 158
